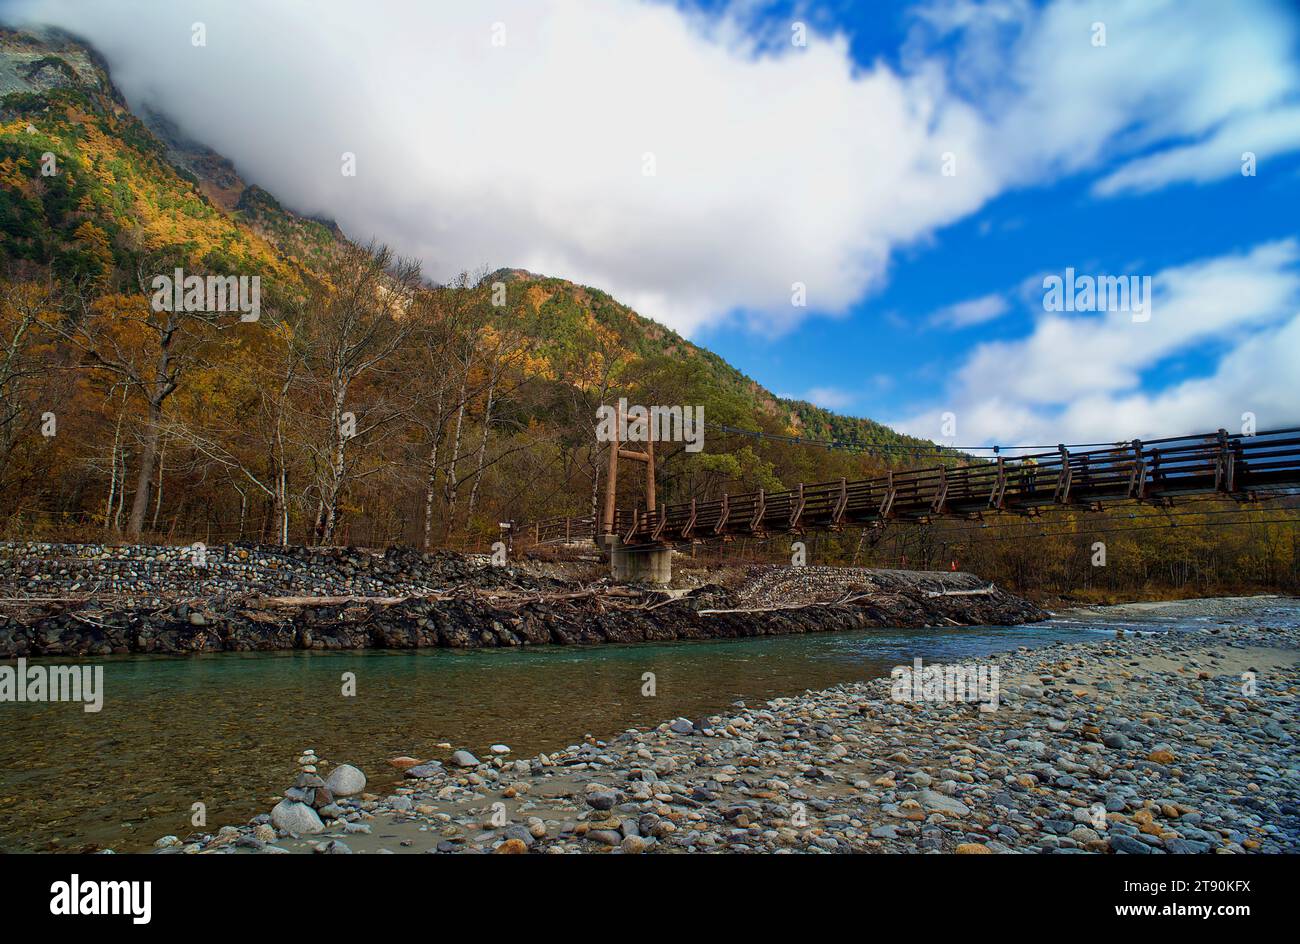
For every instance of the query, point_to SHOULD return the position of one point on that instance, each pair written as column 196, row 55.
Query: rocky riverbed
column 97, row 600
column 1134, row 744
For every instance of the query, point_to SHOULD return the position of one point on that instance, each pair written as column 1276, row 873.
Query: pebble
column 431, row 769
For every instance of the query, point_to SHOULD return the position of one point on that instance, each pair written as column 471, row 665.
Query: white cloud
column 1264, row 134
column 1079, row 377
column 771, row 169
column 774, row 164
column 1170, row 70
column 830, row 398
column 975, row 311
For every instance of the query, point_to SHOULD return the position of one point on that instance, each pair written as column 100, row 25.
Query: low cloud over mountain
column 523, row 135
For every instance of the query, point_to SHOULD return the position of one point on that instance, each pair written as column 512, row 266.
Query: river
column 224, row 729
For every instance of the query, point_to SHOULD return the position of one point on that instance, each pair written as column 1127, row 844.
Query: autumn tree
column 149, row 344
column 352, row 392
column 27, row 316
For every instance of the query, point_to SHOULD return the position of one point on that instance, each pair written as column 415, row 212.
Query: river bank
column 98, row 600
column 1136, row 744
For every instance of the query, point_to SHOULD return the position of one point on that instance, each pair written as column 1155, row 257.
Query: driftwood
column 503, row 599
column 464, row 618
column 88, row 621
column 75, row 599
column 981, row 592
column 71, row 598
column 263, row 602
column 847, row 598
column 654, row 606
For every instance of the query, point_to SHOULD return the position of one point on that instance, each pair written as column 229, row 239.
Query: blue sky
column 876, row 359
column 902, row 348
column 916, row 168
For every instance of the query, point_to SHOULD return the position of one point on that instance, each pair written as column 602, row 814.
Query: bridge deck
column 1151, row 471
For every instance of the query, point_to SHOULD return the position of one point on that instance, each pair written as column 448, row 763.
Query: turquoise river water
column 224, row 729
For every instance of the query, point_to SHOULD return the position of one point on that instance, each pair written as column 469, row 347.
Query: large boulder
column 296, row 818
column 345, row 780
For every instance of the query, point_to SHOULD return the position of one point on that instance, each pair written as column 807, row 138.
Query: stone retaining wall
column 96, row 600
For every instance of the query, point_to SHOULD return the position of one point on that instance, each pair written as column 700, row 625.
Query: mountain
column 118, row 188
column 563, row 306
column 94, row 196
column 371, row 408
column 67, row 85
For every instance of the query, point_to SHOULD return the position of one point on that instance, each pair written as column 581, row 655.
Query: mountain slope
column 562, row 306
column 472, row 413
column 140, row 181
column 86, row 184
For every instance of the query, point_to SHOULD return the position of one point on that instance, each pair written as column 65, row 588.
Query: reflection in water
column 224, row 729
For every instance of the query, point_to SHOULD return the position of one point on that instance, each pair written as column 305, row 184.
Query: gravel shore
column 1149, row 744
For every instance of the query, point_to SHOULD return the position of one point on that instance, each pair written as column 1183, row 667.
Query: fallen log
column 770, row 609
column 503, row 599
column 264, row 602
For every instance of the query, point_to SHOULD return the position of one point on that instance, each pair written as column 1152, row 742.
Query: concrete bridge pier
column 639, row 563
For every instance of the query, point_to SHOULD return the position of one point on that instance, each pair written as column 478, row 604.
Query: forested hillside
column 462, row 411
column 365, row 404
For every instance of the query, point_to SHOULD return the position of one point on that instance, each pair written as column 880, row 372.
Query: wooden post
column 650, row 502
column 1065, row 477
column 611, row 479
column 1222, row 464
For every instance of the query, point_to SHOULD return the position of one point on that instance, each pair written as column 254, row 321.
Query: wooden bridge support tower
column 648, row 563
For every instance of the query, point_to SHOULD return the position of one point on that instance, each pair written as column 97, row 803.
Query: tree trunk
column 112, row 482
column 430, row 482
column 243, row 511
column 482, row 452
column 338, row 468
column 144, row 479
column 451, row 481
column 595, row 487
column 281, row 500
column 157, row 505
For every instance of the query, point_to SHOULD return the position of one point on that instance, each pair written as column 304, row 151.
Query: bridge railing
column 1145, row 471
column 561, row 529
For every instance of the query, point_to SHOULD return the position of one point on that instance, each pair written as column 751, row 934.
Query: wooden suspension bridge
column 1156, row 471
